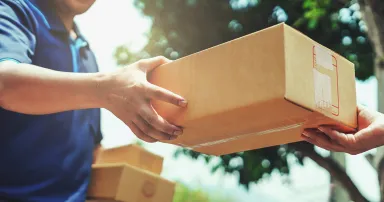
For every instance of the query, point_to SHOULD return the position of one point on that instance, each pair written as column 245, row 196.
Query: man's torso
column 48, row 157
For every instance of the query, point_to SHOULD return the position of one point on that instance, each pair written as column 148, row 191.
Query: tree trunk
column 338, row 193
column 373, row 15
column 334, row 169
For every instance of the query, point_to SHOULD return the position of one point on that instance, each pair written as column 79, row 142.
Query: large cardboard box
column 131, row 154
column 126, row 183
column 257, row 91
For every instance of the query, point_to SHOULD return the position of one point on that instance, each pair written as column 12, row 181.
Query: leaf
column 309, row 4
column 312, row 24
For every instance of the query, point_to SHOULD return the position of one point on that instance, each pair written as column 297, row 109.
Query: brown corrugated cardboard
column 257, row 91
column 131, row 154
column 126, row 183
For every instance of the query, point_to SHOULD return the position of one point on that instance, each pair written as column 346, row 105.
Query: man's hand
column 128, row 97
column 370, row 134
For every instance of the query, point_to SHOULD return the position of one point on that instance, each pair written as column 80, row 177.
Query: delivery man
column 50, row 99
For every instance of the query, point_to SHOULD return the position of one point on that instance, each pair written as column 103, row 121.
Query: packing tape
column 274, row 130
column 323, row 57
column 323, row 90
column 322, row 82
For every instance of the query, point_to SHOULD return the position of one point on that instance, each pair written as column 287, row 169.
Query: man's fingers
column 341, row 138
column 136, row 130
column 321, row 140
column 127, row 119
column 158, row 93
column 149, row 115
column 314, row 142
column 150, row 131
column 348, row 141
column 151, row 63
column 316, row 135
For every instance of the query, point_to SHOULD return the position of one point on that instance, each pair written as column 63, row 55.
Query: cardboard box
column 126, row 183
column 133, row 155
column 257, row 91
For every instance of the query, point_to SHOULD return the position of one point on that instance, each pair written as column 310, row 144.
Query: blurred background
column 122, row 31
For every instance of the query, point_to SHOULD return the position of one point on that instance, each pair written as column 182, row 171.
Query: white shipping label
column 323, row 91
column 323, row 57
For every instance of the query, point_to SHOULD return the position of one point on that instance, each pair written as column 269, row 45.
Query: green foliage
column 183, row 27
column 250, row 166
column 313, row 11
column 184, row 193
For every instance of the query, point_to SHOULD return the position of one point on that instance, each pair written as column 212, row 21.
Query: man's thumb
column 151, row 63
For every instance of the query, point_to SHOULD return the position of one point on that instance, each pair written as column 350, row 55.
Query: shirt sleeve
column 17, row 40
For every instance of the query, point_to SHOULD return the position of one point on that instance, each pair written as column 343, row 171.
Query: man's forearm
column 31, row 89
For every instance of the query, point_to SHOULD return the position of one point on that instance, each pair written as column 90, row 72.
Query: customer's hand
column 128, row 97
column 370, row 134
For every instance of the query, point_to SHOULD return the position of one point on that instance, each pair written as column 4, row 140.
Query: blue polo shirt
column 45, row 157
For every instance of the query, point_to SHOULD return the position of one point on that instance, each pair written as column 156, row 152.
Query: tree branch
column 373, row 15
column 380, row 172
column 333, row 168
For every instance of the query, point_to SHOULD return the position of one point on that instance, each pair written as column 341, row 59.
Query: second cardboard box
column 133, row 155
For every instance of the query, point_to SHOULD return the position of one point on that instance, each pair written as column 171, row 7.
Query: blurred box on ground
column 126, row 183
column 257, row 91
column 133, row 155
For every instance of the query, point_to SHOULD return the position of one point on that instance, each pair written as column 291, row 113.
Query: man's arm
column 29, row 89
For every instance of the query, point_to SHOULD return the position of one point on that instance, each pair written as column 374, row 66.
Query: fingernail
column 172, row 137
column 183, row 103
column 177, row 132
